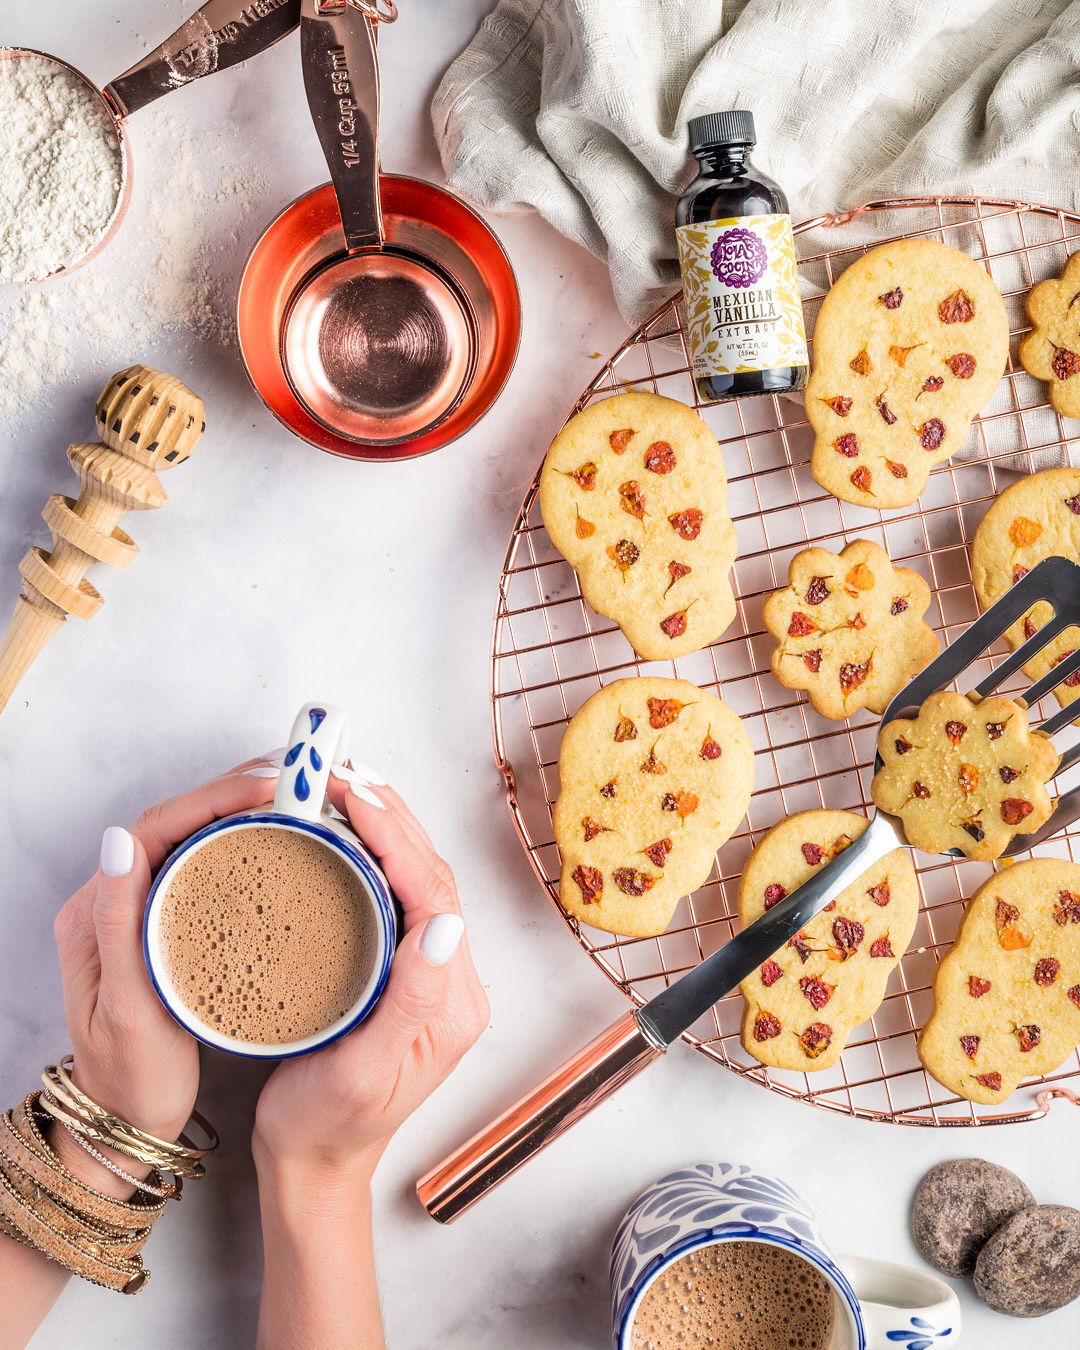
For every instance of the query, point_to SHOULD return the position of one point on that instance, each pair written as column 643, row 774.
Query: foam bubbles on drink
column 267, row 935
column 736, row 1296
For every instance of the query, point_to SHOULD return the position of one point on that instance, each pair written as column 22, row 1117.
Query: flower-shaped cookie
column 634, row 496
column 1007, row 996
column 909, row 344
column 964, row 775
column 654, row 775
column 849, row 628
column 1035, row 518
column 1051, row 351
column 803, row 1003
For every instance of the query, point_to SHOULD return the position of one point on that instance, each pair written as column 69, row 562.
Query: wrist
column 314, row 1185
column 89, row 1170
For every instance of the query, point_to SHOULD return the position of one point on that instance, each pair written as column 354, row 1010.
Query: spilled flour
column 60, row 168
column 167, row 273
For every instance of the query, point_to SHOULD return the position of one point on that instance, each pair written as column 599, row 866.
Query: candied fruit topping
column 931, row 384
column 860, row 364
column 1074, row 995
column 659, row 458
column 1046, row 970
column 770, row 973
column 902, row 746
column 813, row 853
column 774, row 893
column 898, row 605
column 675, row 624
column 1018, row 574
column 584, row 529
column 962, row 365
column 799, row 943
column 840, row 404
column 585, row 477
column 687, row 524
column 590, row 881
column 1028, row 1036
column 880, row 894
column 860, row 578
column 974, row 829
column 900, row 354
column 861, row 478
column 657, row 853
column 678, row 570
column 632, row 882
column 817, row 591
column 591, row 828
column 608, row 790
column 625, row 730
column 1065, row 364
column 968, row 778
column 881, row 947
column 932, row 433
column 887, row 414
column 816, row 992
column 766, row 1026
column 957, row 308
column 970, row 1045
column 955, row 731
column 892, row 299
column 663, row 711
column 652, row 764
column 897, row 470
column 812, row 660
column 846, row 445
column 977, row 986
column 1066, row 909
column 920, row 790
column 1014, row 810
column 995, row 729
column 816, row 1039
column 710, row 749
column 1024, row 531
column 619, row 440
column 800, row 625
column 852, row 674
column 632, row 498
column 1073, row 503
column 848, row 934
column 682, row 803
column 989, row 1080
column 624, row 554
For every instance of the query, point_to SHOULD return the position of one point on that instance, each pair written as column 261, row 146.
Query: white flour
column 60, row 168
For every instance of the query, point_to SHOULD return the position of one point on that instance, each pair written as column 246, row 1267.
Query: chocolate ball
column 1031, row 1265
column 958, row 1206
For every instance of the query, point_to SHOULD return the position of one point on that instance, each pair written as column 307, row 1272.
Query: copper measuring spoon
column 219, row 35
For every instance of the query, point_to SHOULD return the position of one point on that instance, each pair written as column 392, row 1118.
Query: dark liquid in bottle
column 728, row 186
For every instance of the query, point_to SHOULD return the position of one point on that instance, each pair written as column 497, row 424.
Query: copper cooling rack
column 551, row 651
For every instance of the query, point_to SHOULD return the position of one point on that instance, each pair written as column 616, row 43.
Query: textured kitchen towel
column 578, row 108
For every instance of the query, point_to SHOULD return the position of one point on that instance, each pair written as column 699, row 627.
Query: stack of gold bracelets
column 45, row 1206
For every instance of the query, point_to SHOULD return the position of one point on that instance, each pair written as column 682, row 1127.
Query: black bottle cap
column 722, row 128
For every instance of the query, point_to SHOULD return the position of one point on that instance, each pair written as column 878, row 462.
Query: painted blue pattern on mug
column 316, row 759
column 318, row 717
column 923, row 1335
column 302, row 788
column 294, row 754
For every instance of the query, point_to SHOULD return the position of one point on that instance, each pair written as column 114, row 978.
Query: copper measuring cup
column 378, row 316
column 219, row 35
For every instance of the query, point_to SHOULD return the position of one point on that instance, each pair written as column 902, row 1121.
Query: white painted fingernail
column 366, row 795
column 263, row 771
column 441, row 938
column 358, row 775
column 117, row 852
column 275, row 756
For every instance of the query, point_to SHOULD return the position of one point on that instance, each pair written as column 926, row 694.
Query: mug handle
column 319, row 738
column 903, row 1309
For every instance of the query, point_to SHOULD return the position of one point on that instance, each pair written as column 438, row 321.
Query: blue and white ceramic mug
column 319, row 739
column 877, row 1305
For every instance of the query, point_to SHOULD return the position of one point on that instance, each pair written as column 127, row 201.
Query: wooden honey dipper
column 147, row 420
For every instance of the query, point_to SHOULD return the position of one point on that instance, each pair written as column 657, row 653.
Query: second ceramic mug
column 318, row 740
column 877, row 1305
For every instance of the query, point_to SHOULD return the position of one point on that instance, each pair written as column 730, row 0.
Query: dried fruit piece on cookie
column 1023, row 1020
column 895, row 385
column 948, row 784
column 654, row 776
column 849, row 628
column 647, row 476
column 1036, row 517
column 1051, row 351
column 837, row 969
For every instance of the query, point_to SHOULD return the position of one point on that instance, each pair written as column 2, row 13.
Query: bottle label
column 741, row 295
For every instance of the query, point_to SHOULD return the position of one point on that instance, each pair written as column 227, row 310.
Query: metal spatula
column 641, row 1036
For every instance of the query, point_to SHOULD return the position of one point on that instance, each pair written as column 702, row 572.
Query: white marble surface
column 277, row 574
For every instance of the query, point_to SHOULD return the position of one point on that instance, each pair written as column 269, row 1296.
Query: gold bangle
column 143, row 1155
column 184, row 1148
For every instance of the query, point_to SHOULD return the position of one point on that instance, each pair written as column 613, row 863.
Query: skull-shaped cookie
column 1051, row 351
column 1007, row 996
column 909, row 344
column 804, row 1002
column 634, row 496
column 964, row 775
column 654, row 776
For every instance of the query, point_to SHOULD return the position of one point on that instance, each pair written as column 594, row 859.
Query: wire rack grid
column 551, row 651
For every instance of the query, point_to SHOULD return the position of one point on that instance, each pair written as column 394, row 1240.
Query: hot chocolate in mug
column 301, row 809
column 876, row 1305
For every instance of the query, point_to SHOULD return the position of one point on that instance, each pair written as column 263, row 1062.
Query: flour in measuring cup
column 60, row 168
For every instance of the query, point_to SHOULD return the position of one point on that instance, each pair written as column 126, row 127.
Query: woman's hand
column 131, row 1057
column 334, row 1111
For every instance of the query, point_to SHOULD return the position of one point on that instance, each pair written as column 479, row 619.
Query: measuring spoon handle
column 219, row 35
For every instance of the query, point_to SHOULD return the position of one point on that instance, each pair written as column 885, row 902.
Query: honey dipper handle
column 588, row 1078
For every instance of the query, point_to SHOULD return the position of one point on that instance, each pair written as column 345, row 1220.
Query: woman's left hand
column 131, row 1057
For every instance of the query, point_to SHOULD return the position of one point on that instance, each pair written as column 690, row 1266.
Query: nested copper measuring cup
column 378, row 315
column 219, row 35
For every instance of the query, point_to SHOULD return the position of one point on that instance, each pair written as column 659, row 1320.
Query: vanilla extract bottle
column 737, row 256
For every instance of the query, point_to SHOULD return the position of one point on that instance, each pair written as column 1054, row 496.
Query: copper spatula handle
column 588, row 1078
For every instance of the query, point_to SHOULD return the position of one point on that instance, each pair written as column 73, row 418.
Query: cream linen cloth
column 578, row 108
